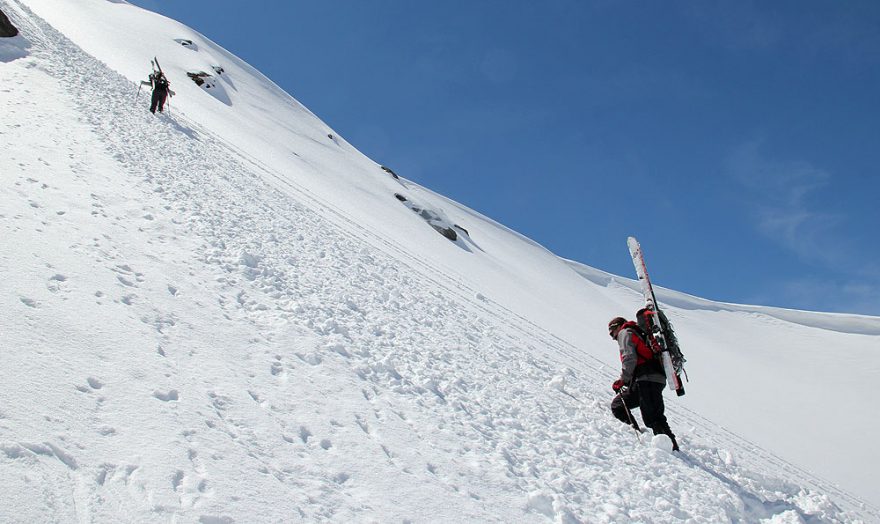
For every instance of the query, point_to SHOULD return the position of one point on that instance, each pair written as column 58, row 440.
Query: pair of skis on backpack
column 658, row 331
column 157, row 71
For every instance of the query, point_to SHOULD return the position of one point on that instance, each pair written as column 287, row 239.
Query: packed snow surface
column 224, row 314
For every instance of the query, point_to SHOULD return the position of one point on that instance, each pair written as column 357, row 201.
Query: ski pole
column 632, row 421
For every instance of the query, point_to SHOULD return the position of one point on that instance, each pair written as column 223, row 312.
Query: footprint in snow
column 214, row 519
column 125, row 282
column 166, row 397
column 107, row 431
column 177, row 480
column 310, row 358
column 29, row 302
column 55, row 282
column 362, row 423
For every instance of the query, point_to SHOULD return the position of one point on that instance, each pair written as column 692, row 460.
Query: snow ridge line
column 170, row 184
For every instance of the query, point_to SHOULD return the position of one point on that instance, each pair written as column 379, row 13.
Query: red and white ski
column 662, row 337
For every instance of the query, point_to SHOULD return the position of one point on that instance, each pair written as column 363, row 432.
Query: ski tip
column 633, row 245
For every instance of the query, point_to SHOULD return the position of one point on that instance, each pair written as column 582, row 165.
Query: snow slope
column 225, row 315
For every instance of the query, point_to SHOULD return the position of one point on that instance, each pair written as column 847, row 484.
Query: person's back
column 159, row 81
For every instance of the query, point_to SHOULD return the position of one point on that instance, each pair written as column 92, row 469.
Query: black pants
column 648, row 397
column 158, row 100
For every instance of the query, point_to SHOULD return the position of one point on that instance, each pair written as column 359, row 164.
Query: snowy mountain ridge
column 225, row 315
column 844, row 323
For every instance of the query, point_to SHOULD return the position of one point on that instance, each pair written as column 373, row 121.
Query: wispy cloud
column 780, row 197
column 784, row 200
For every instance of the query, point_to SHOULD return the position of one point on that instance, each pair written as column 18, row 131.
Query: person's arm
column 628, row 356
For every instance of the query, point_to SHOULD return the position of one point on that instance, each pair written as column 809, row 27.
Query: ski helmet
column 615, row 323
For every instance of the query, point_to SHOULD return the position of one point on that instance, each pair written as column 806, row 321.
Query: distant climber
column 161, row 90
column 641, row 380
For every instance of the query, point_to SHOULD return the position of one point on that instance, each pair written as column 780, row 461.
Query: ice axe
column 629, row 415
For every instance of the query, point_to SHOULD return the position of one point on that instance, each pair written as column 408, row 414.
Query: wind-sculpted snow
column 199, row 338
column 845, row 323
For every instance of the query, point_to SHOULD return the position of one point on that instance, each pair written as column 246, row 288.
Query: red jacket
column 637, row 359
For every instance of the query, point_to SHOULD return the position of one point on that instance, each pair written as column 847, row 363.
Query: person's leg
column 621, row 405
column 653, row 410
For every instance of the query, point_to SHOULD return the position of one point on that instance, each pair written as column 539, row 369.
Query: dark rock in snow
column 202, row 79
column 7, row 30
column 447, row 232
column 435, row 219
column 390, row 172
column 211, row 84
column 184, row 42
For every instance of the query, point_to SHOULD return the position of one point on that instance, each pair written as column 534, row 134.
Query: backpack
column 160, row 82
column 644, row 348
column 644, row 323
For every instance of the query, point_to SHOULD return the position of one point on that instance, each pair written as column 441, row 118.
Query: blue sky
column 738, row 140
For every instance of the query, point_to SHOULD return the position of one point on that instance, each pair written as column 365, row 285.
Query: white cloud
column 780, row 200
column 784, row 200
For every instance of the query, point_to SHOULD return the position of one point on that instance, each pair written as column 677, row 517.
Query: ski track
column 325, row 297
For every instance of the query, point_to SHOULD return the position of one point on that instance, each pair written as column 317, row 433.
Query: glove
column 618, row 385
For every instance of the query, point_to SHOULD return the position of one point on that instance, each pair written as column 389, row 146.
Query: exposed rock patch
column 7, row 30
column 390, row 172
column 202, row 79
column 435, row 218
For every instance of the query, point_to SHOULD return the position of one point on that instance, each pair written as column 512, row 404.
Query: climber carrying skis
column 160, row 86
column 641, row 380
column 160, row 91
